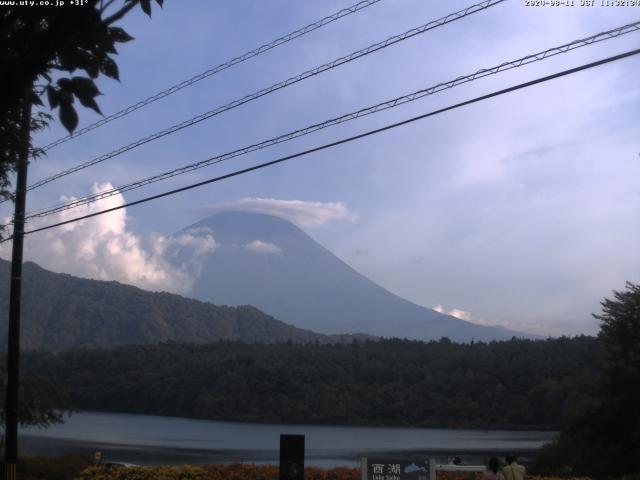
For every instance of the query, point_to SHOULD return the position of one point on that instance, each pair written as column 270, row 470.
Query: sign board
column 388, row 468
column 291, row 457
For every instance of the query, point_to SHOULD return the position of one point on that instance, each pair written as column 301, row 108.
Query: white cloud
column 454, row 312
column 102, row 248
column 197, row 241
column 303, row 213
column 461, row 314
column 258, row 246
column 527, row 327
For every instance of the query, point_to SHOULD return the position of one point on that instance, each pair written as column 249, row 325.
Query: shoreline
column 153, row 440
column 478, row 427
column 174, row 456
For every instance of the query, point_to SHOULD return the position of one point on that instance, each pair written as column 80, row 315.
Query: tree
column 41, row 403
column 602, row 438
column 40, row 43
column 616, row 429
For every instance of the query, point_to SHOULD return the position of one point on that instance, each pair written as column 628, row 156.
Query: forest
column 523, row 384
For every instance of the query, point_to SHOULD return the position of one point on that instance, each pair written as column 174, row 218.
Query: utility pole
column 13, row 350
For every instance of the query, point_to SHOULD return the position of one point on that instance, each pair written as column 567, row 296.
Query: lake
column 152, row 440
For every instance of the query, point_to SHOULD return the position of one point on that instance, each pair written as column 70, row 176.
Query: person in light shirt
column 513, row 470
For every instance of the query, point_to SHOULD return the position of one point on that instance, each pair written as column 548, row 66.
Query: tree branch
column 104, row 7
column 121, row 13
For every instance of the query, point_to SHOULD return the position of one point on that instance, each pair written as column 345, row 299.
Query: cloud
column 527, row 327
column 258, row 246
column 183, row 253
column 197, row 241
column 302, row 213
column 103, row 248
column 461, row 314
column 454, row 312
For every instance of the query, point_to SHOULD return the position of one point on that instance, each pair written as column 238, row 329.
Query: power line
column 217, row 69
column 277, row 86
column 613, row 33
column 343, row 141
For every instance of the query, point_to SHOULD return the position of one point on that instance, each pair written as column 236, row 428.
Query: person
column 513, row 470
column 493, row 470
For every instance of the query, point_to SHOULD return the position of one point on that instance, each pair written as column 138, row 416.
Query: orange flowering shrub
column 536, row 477
column 338, row 473
column 143, row 473
column 252, row 472
column 241, row 472
column 270, row 472
column 449, row 475
column 212, row 472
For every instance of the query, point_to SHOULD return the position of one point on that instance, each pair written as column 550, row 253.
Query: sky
column 520, row 211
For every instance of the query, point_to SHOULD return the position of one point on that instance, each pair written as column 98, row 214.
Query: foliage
column 41, row 403
column 550, row 477
column 602, row 437
column 252, row 472
column 65, row 467
column 143, row 473
column 61, row 311
column 451, row 475
column 518, row 383
column 213, row 472
column 41, row 49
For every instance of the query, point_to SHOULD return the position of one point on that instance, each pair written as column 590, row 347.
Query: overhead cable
column 508, row 65
column 340, row 142
column 217, row 69
column 275, row 87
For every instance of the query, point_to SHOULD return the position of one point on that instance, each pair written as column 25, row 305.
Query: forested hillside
column 61, row 311
column 513, row 384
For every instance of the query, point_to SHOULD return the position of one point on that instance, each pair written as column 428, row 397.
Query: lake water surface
column 151, row 440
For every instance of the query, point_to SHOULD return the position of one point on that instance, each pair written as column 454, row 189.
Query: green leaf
column 146, row 6
column 109, row 68
column 75, row 57
column 65, row 95
column 65, row 84
column 92, row 70
column 119, row 35
column 35, row 99
column 89, row 102
column 68, row 59
column 160, row 2
column 68, row 116
column 85, row 87
column 92, row 104
column 109, row 48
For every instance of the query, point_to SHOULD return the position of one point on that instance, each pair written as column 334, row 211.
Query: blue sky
column 520, row 211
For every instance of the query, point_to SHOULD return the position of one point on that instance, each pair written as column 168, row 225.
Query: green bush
column 65, row 467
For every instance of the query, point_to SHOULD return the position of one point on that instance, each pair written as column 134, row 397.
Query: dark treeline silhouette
column 601, row 437
column 512, row 384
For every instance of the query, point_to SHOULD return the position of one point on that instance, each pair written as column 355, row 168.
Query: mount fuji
column 272, row 264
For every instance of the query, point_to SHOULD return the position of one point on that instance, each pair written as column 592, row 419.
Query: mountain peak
column 267, row 261
column 248, row 223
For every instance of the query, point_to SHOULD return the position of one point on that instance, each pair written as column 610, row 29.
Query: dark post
column 13, row 350
column 291, row 457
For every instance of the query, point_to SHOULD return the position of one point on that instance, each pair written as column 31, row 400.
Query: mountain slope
column 60, row 311
column 270, row 263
